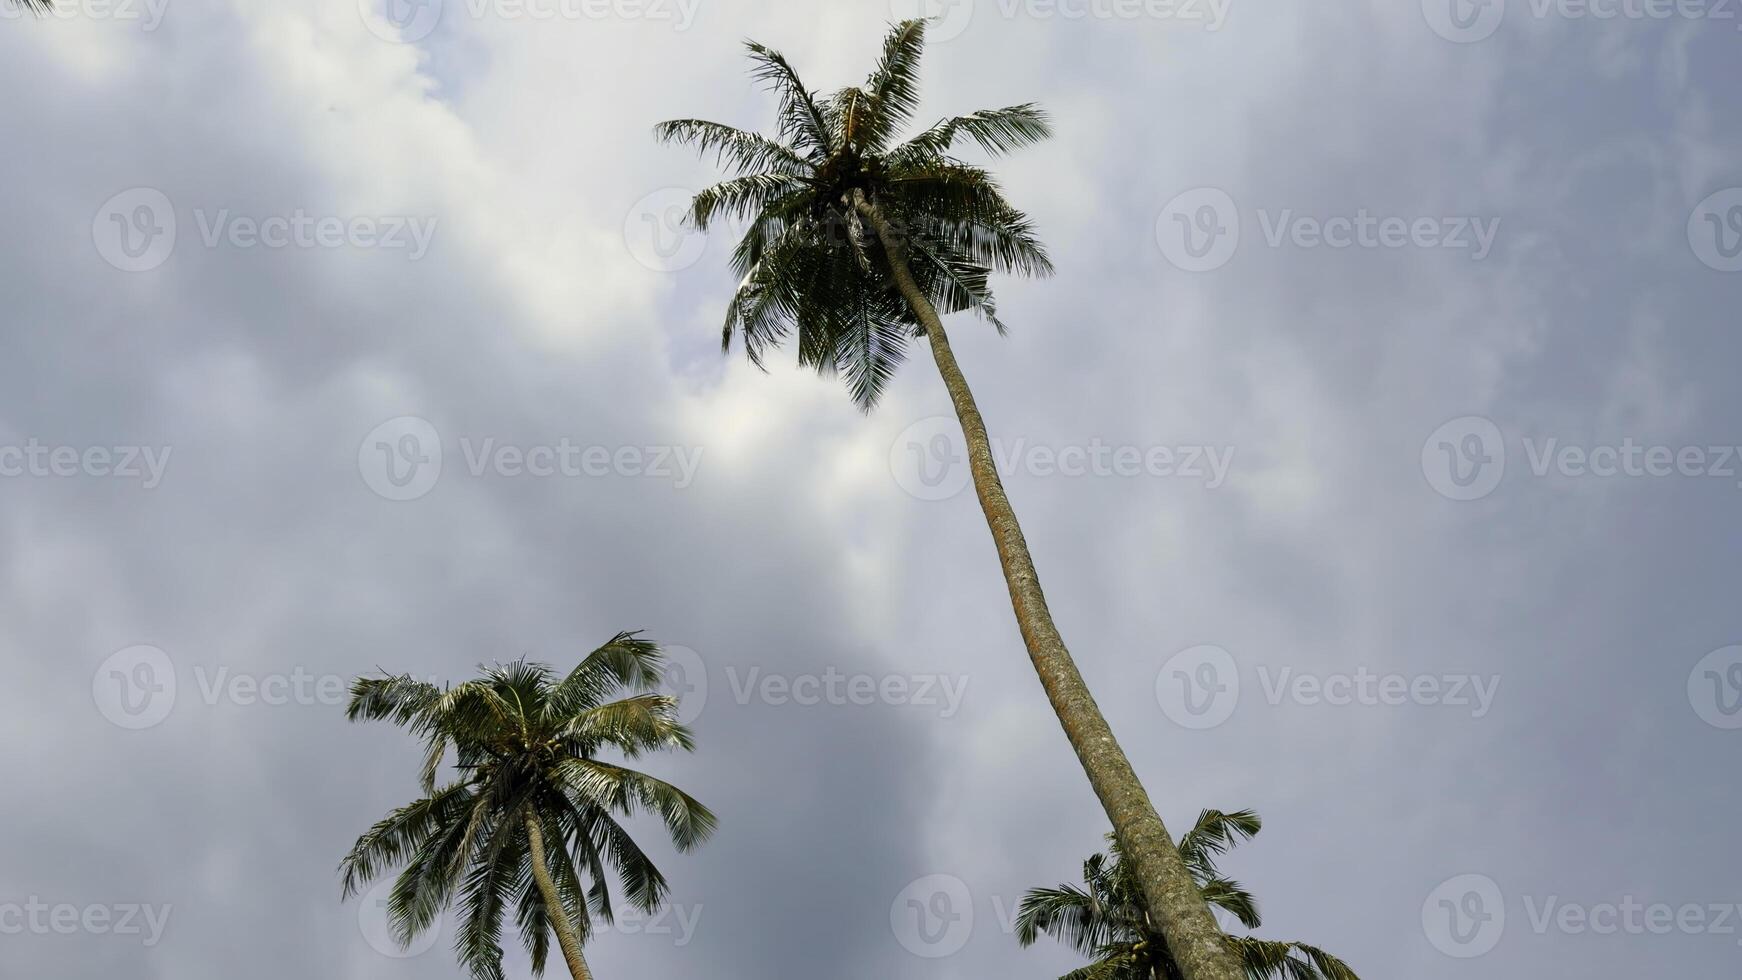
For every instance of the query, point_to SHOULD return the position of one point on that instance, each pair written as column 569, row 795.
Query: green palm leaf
column 1295, row 961
column 1213, row 835
column 811, row 269
column 1105, row 919
column 893, row 88
column 525, row 745
column 802, row 122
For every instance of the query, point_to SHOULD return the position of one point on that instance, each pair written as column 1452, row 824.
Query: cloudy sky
column 1375, row 440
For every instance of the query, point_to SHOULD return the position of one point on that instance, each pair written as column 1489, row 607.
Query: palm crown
column 1105, row 918
column 808, row 261
column 525, row 744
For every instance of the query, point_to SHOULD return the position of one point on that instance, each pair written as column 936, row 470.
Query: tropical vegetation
column 1104, row 918
column 528, row 820
column 856, row 242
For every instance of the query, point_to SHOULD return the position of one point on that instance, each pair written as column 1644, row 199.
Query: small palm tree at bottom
column 531, row 811
column 1105, row 918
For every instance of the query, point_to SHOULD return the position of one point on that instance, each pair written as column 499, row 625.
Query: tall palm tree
column 531, row 807
column 858, row 242
column 1105, row 919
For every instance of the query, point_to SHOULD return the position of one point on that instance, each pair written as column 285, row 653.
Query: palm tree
column 531, row 807
column 857, row 242
column 35, row 6
column 1105, row 919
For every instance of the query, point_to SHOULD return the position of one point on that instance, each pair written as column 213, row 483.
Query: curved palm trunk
column 553, row 906
column 1171, row 896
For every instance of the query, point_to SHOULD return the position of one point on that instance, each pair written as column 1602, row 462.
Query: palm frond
column 1266, row 958
column 1105, row 919
column 533, row 919
column 894, row 84
column 578, row 823
column 801, row 120
column 392, row 840
column 624, row 790
column 478, row 941
column 1121, row 962
column 1228, row 895
column 963, row 206
column 996, row 131
column 870, row 345
column 1066, row 913
column 626, row 661
column 633, row 725
column 850, row 117
column 744, row 152
column 427, row 884
column 1212, row 836
column 404, row 700
column 743, row 197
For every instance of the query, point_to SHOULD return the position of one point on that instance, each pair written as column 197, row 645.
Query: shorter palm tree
column 531, row 810
column 1105, row 919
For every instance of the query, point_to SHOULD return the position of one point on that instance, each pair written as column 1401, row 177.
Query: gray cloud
column 1599, row 315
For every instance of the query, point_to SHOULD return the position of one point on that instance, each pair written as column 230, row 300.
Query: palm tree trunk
column 1172, row 897
column 553, row 906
